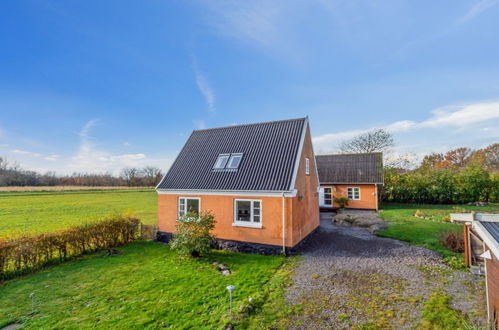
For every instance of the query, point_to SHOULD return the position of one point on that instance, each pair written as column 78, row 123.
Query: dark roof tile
column 350, row 168
column 269, row 153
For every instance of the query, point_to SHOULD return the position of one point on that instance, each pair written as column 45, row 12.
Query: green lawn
column 147, row 286
column 406, row 227
column 35, row 212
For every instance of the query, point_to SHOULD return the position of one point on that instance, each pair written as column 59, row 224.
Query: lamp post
column 33, row 307
column 230, row 288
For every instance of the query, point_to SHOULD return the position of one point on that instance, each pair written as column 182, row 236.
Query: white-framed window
column 307, row 166
column 353, row 193
column 221, row 161
column 234, row 160
column 188, row 205
column 328, row 196
column 248, row 213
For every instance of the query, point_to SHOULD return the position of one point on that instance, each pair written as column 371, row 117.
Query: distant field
column 66, row 188
column 35, row 212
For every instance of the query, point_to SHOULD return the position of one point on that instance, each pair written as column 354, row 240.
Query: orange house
column 259, row 180
column 357, row 177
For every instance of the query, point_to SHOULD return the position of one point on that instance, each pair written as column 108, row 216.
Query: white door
column 321, row 196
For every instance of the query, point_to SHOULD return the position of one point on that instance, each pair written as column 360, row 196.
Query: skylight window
column 228, row 161
column 221, row 161
column 234, row 160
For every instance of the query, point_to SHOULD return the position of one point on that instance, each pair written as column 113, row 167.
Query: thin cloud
column 90, row 159
column 477, row 8
column 52, row 158
column 203, row 85
column 459, row 118
column 25, row 153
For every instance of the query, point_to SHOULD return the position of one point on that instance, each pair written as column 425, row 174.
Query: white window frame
column 185, row 205
column 330, row 193
column 224, row 164
column 307, row 166
column 240, row 155
column 353, row 193
column 251, row 223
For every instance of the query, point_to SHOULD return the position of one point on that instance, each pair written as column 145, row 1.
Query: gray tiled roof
column 350, row 168
column 492, row 228
column 269, row 153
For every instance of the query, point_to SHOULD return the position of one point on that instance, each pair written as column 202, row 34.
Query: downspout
column 377, row 197
column 283, row 226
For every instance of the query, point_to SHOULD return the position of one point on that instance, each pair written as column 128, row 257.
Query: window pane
column 256, row 218
column 234, row 161
column 181, row 207
column 256, row 204
column 243, row 211
column 221, row 161
column 193, row 205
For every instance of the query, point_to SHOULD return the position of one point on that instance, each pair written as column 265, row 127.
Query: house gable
column 268, row 164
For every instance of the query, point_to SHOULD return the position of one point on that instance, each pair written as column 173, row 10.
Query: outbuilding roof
column 350, row 168
column 270, row 151
column 492, row 228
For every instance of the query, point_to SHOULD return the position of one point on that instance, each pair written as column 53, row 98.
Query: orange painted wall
column 368, row 195
column 223, row 209
column 305, row 205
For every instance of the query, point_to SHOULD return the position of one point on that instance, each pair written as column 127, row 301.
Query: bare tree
column 151, row 176
column 130, row 175
column 377, row 140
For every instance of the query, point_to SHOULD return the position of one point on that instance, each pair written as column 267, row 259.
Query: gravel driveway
column 350, row 278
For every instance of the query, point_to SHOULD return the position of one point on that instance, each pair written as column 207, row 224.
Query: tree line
column 460, row 175
column 11, row 174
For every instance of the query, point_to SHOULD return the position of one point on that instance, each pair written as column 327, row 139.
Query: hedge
column 442, row 186
column 28, row 253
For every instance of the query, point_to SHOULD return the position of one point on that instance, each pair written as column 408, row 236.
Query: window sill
column 247, row 225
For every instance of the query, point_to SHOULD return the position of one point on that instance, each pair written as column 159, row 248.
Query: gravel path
column 349, row 278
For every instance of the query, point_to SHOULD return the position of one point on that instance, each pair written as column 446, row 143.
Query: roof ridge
column 353, row 153
column 250, row 124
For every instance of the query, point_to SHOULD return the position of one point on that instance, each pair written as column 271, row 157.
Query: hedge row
column 27, row 253
column 442, row 186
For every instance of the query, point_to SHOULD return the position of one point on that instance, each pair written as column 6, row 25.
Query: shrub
column 342, row 201
column 192, row 236
column 453, row 241
column 27, row 253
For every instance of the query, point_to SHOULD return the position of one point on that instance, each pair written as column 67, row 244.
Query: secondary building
column 259, row 180
column 481, row 253
column 358, row 177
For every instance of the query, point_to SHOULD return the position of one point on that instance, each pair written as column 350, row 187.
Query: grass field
column 145, row 287
column 427, row 233
column 66, row 188
column 35, row 212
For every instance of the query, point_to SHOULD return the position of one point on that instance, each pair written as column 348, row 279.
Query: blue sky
column 98, row 85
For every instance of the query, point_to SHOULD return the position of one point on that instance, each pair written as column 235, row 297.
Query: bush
column 441, row 186
column 453, row 241
column 27, row 253
column 342, row 201
column 192, row 236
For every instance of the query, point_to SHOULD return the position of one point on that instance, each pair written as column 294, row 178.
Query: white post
column 283, row 226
